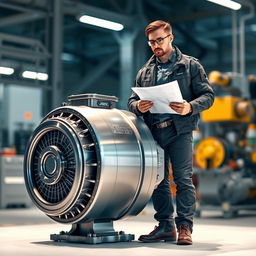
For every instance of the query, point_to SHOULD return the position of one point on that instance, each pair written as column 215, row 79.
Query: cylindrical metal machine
column 91, row 164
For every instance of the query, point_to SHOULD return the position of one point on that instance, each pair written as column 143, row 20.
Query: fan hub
column 51, row 165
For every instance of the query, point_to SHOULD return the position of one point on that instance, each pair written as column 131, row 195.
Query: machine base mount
column 92, row 233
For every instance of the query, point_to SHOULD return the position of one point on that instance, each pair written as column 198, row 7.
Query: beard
column 159, row 52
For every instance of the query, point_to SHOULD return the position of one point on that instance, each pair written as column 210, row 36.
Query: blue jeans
column 178, row 150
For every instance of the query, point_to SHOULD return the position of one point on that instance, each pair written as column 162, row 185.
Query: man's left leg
column 180, row 153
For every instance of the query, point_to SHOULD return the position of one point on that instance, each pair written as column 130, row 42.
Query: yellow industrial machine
column 229, row 109
column 225, row 154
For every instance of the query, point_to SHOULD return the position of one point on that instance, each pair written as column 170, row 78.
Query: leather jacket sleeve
column 203, row 92
column 133, row 100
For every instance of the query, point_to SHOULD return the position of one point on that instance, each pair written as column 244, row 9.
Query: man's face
column 164, row 45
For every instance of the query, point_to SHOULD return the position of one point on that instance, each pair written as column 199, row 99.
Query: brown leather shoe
column 159, row 234
column 184, row 237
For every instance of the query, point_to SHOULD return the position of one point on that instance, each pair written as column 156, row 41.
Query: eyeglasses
column 159, row 41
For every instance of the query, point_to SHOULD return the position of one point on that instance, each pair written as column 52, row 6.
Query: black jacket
column 193, row 83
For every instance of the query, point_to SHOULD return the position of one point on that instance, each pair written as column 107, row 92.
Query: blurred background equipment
column 21, row 136
column 88, row 164
column 12, row 188
column 20, row 109
column 225, row 156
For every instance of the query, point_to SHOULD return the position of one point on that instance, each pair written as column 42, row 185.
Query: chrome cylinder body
column 85, row 164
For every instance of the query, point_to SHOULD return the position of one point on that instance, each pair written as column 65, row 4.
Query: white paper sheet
column 161, row 96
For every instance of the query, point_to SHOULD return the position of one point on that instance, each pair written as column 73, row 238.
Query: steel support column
column 126, row 41
column 140, row 51
column 243, row 19
column 56, row 64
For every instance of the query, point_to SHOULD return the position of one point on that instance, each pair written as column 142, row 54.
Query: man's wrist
column 191, row 109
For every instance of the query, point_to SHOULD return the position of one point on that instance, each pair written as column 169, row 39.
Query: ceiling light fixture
column 6, row 71
column 227, row 3
column 101, row 23
column 35, row 75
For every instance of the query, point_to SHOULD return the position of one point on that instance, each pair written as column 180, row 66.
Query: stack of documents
column 161, row 96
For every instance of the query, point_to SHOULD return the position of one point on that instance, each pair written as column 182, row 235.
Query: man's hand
column 183, row 108
column 144, row 105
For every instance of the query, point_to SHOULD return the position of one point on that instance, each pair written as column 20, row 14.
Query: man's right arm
column 132, row 104
column 134, row 98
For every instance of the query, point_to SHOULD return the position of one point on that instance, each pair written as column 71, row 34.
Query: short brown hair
column 156, row 25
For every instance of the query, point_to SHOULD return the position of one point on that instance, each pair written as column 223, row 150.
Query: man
column 173, row 132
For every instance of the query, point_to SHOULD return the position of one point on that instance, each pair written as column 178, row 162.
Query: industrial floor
column 26, row 232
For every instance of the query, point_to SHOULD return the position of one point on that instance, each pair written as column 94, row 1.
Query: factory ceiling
column 201, row 29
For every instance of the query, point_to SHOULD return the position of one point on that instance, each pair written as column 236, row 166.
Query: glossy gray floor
column 26, row 232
